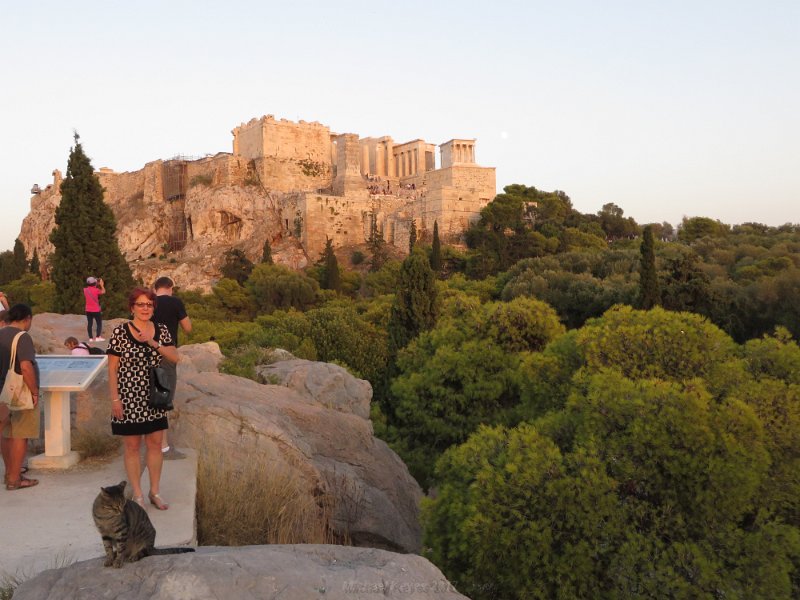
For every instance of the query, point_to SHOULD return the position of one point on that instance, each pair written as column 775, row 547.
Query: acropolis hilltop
column 292, row 183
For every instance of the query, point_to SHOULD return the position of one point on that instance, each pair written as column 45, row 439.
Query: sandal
column 22, row 471
column 157, row 501
column 138, row 500
column 23, row 482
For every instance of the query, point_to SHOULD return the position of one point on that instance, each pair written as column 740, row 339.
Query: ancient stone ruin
column 294, row 184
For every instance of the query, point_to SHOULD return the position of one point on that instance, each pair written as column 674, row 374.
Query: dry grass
column 256, row 503
column 10, row 582
column 95, row 443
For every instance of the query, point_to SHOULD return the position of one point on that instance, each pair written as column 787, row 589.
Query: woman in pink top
column 92, row 292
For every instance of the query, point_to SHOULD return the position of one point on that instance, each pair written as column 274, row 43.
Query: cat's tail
column 156, row 551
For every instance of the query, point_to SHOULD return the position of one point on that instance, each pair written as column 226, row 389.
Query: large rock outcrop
column 317, row 427
column 251, row 572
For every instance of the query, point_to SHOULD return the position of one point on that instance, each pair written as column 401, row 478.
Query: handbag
column 15, row 393
column 162, row 387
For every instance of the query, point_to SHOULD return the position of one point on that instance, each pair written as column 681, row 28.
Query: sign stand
column 58, row 377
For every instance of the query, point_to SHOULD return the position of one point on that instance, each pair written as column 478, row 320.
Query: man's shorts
column 23, row 424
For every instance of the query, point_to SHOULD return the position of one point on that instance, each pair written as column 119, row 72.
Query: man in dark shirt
column 20, row 425
column 171, row 312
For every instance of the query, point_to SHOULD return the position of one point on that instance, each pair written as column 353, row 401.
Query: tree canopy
column 85, row 241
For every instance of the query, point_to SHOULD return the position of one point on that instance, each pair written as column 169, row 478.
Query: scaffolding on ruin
column 174, row 180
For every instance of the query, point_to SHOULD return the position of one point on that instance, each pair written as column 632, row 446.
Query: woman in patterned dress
column 133, row 349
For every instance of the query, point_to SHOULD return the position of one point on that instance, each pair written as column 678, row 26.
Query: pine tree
column 266, row 254
column 331, row 279
column 436, row 250
column 85, row 241
column 36, row 266
column 648, row 278
column 412, row 236
column 20, row 264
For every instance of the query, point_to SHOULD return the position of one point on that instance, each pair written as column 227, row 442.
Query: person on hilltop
column 171, row 312
column 92, row 292
column 135, row 347
column 21, row 425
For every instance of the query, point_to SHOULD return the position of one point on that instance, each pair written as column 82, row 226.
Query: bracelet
column 117, row 400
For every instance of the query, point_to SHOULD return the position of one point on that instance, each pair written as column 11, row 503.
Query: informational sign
column 59, row 373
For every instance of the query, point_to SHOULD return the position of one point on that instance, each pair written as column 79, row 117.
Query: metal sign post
column 58, row 377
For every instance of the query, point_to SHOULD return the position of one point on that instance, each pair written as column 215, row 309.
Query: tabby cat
column 127, row 532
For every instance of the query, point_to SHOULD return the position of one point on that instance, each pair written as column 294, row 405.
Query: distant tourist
column 77, row 348
column 20, row 425
column 171, row 312
column 134, row 348
column 92, row 292
column 3, row 308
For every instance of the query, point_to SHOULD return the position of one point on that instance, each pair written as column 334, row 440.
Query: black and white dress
column 133, row 381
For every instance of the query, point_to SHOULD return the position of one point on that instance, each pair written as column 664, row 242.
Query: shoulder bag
column 15, row 393
column 162, row 386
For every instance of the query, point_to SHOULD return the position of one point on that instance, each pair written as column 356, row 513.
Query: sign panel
column 59, row 373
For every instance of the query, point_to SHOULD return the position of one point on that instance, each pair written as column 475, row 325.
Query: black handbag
column 162, row 386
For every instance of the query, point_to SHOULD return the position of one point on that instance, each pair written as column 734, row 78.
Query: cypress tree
column 20, row 264
column 266, row 254
column 413, row 311
column 85, row 241
column 436, row 250
column 331, row 277
column 412, row 236
column 648, row 278
column 6, row 267
column 35, row 264
column 415, row 306
column 377, row 245
column 236, row 266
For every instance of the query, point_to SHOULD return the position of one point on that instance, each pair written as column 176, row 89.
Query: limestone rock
column 327, row 384
column 310, row 427
column 375, row 499
column 298, row 572
column 199, row 358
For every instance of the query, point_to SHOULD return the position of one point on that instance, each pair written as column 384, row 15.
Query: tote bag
column 15, row 393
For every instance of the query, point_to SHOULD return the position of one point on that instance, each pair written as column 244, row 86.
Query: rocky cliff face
column 183, row 235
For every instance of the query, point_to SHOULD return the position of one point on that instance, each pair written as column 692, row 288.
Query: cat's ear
column 122, row 485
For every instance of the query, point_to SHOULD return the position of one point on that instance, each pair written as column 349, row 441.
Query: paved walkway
column 51, row 524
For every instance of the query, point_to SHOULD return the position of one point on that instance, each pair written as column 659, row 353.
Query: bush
column 206, row 179
column 357, row 257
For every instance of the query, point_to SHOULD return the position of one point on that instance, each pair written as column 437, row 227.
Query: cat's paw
column 117, row 564
column 108, row 561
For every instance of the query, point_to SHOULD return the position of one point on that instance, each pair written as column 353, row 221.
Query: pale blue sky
column 664, row 108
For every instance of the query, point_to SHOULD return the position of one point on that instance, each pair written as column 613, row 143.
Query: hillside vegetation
column 595, row 416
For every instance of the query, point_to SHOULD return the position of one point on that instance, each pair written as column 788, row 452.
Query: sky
column 667, row 109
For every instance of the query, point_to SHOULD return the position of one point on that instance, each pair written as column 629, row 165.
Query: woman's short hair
column 134, row 296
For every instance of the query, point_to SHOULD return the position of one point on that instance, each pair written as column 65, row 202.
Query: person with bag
column 18, row 360
column 171, row 312
column 135, row 350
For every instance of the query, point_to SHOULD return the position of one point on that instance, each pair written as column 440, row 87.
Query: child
column 75, row 347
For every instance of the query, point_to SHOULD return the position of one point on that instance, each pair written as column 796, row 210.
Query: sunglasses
column 143, row 304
